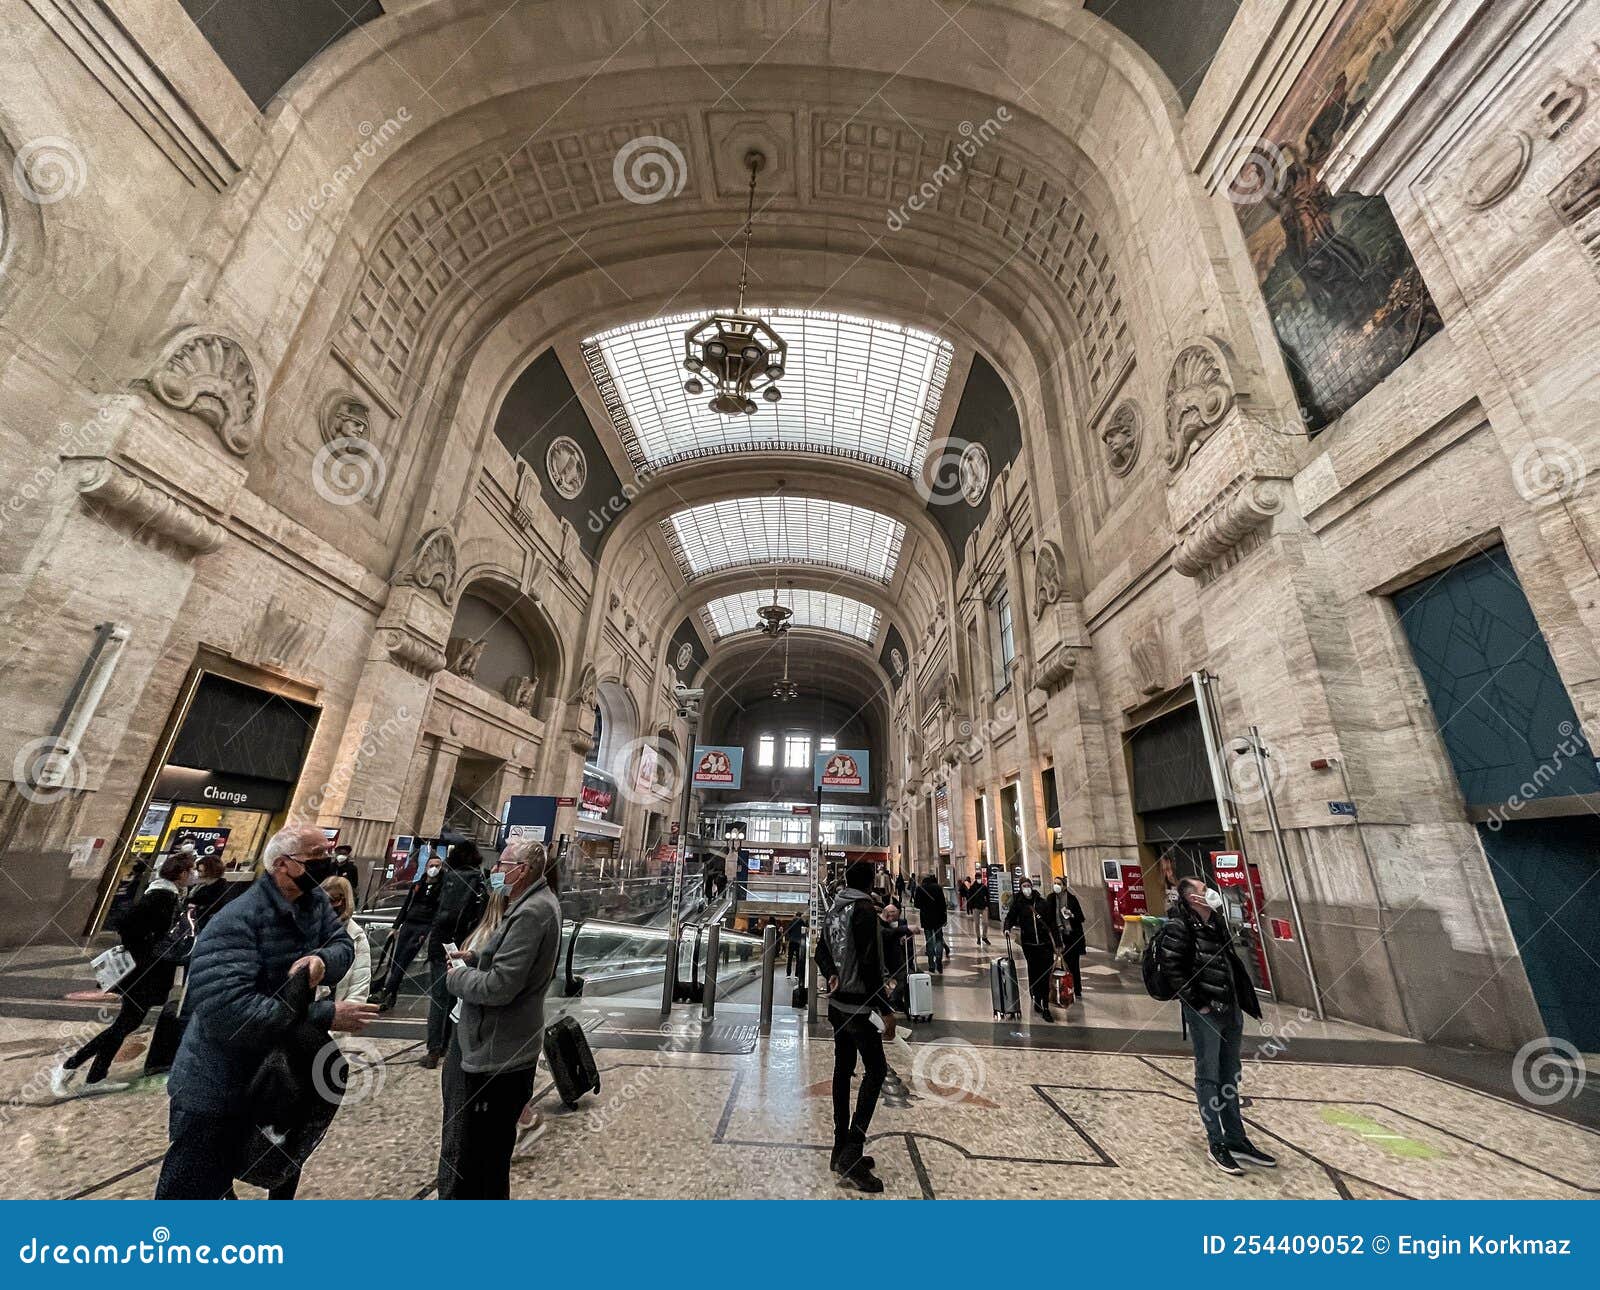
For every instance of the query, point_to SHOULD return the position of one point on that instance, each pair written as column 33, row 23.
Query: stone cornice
column 1243, row 508
column 105, row 484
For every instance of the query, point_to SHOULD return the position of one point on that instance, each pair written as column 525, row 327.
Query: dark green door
column 1513, row 739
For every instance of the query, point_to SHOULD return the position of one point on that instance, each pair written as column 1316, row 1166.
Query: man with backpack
column 1192, row 959
column 850, row 959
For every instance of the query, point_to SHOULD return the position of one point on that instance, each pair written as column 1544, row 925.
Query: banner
column 716, row 766
column 843, row 771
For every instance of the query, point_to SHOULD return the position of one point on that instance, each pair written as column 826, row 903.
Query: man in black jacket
column 463, row 890
column 238, row 978
column 934, row 913
column 977, row 908
column 1065, row 914
column 1026, row 915
column 1197, row 961
column 850, row 960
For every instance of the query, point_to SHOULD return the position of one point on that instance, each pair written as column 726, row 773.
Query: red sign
column 841, row 771
column 1125, row 894
column 1282, row 930
column 566, row 801
column 714, row 767
column 596, row 799
column 1232, row 873
column 800, row 810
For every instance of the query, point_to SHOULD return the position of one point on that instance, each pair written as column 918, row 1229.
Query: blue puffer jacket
column 236, row 976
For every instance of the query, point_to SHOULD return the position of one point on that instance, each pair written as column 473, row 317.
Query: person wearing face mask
column 489, row 1068
column 1026, row 916
column 281, row 926
column 1198, row 965
column 155, row 932
column 463, row 890
column 358, row 980
column 411, row 927
column 1065, row 915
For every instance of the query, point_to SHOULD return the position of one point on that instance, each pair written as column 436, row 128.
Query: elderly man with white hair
column 281, row 925
column 488, row 1072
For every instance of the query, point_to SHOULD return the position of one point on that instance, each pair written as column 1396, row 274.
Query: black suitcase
column 167, row 1035
column 798, row 998
column 566, row 1049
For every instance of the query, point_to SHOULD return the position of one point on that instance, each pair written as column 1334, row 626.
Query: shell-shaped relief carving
column 211, row 377
column 1199, row 395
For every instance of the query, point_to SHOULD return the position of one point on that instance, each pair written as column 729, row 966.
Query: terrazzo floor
column 1097, row 1104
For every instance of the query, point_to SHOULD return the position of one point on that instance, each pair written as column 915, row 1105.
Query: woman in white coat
column 357, row 982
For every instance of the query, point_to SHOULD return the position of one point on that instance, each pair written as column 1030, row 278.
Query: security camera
column 1238, row 747
column 685, row 695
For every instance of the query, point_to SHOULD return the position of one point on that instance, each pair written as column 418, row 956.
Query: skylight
column 792, row 530
column 729, row 615
column 857, row 387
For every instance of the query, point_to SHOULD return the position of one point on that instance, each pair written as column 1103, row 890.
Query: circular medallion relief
column 974, row 473
column 1496, row 168
column 566, row 467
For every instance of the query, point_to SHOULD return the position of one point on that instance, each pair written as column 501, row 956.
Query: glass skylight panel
column 826, row 610
column 859, row 387
column 791, row 530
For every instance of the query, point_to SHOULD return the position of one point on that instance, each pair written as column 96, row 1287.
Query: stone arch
column 516, row 634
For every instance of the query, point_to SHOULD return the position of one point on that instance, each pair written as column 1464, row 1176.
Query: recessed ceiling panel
column 825, row 610
column 743, row 531
column 855, row 387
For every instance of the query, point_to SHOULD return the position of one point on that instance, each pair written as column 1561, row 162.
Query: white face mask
column 1056, row 887
column 1028, row 891
column 1213, row 898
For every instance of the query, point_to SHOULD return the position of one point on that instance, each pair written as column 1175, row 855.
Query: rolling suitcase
column 1003, row 992
column 168, row 1033
column 919, row 996
column 798, row 998
column 566, row 1049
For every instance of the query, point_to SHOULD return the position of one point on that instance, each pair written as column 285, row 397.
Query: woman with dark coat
column 1061, row 907
column 211, row 892
column 1026, row 916
column 410, row 930
column 155, row 932
column 462, row 894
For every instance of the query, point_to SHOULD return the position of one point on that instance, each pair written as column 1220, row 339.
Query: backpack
column 841, row 949
column 1155, row 985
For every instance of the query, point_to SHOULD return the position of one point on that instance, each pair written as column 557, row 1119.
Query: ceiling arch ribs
column 742, row 670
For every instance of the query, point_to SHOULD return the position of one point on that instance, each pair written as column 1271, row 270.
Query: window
column 766, row 749
column 1004, row 642
column 796, row 752
column 824, row 610
column 804, row 530
column 827, row 744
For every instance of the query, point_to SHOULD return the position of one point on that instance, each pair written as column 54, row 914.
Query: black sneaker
column 1251, row 1154
column 1223, row 1159
column 1044, row 1013
column 861, row 1179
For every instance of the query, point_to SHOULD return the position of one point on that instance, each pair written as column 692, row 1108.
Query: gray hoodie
column 502, row 993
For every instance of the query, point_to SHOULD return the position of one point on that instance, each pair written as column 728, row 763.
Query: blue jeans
column 933, row 946
column 1216, row 1041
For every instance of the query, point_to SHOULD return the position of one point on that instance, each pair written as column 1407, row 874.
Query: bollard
column 708, row 1006
column 769, row 969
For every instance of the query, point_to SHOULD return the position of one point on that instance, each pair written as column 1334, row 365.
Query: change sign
column 716, row 766
column 842, row 771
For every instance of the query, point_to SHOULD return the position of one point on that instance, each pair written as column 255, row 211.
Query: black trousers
column 150, row 992
column 1075, row 966
column 797, row 955
column 853, row 1037
column 1041, row 958
column 440, row 1001
column 480, row 1129
column 408, row 938
column 205, row 1155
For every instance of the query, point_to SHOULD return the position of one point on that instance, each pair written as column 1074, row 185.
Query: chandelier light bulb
column 772, row 394
column 692, row 386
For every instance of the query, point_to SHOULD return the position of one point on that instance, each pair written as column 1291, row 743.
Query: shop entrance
column 226, row 771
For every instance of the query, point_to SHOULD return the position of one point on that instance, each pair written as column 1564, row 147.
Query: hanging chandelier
column 785, row 690
column 775, row 617
column 736, row 353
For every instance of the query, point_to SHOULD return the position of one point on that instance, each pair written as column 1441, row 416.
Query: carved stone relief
column 1495, row 169
column 1577, row 202
column 1121, row 436
column 413, row 653
column 521, row 692
column 432, row 565
column 211, row 378
column 1199, row 396
column 1049, row 583
column 566, row 467
column 462, row 655
column 344, row 416
column 1147, row 652
column 103, row 484
column 974, row 473
column 1561, row 105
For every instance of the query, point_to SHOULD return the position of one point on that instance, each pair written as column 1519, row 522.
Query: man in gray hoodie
column 488, row 1076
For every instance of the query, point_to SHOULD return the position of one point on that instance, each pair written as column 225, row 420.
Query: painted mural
column 1346, row 298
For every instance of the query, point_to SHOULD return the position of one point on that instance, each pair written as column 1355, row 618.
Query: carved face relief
column 1048, row 578
column 462, row 655
column 685, row 656
column 1198, row 398
column 345, row 417
column 566, row 467
column 1121, row 438
column 974, row 470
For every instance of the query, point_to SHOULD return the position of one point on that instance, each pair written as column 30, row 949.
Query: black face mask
column 311, row 875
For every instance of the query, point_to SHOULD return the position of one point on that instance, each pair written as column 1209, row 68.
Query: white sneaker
column 61, row 1081
column 104, row 1086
